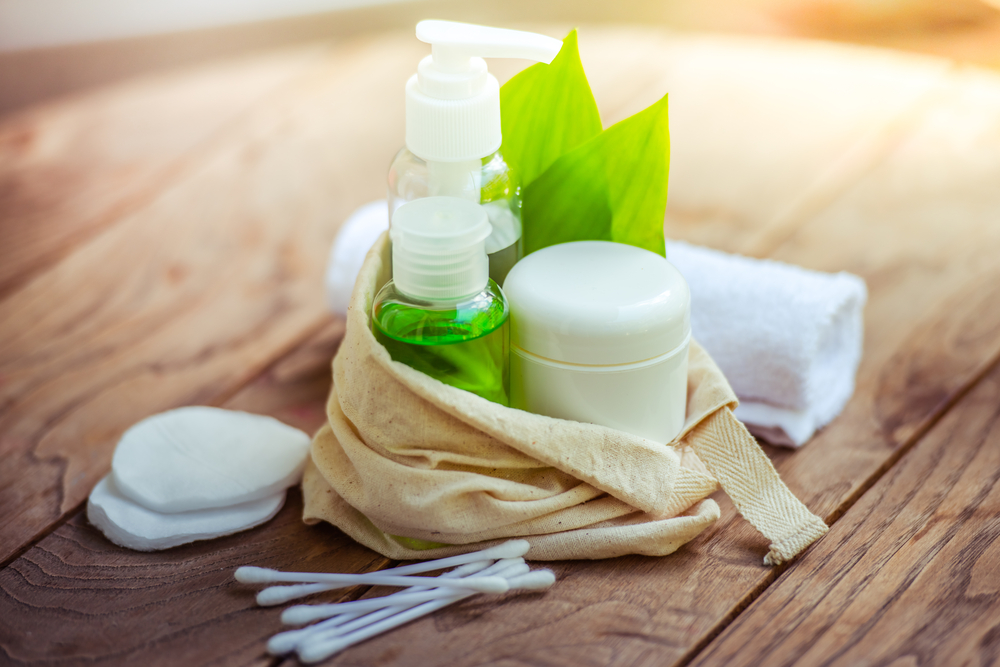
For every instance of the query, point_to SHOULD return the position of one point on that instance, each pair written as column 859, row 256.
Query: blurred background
column 51, row 48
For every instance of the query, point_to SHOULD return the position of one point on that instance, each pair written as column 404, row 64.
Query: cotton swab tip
column 320, row 650
column 249, row 574
column 489, row 584
column 301, row 614
column 513, row 569
column 509, row 549
column 281, row 594
column 286, row 642
column 533, row 581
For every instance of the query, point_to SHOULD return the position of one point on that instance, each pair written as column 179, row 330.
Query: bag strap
column 730, row 453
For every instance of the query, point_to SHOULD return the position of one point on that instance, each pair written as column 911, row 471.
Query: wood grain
column 75, row 598
column 71, row 168
column 295, row 388
column 909, row 576
column 187, row 299
column 186, row 326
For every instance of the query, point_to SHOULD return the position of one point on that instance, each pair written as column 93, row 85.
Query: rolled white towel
column 788, row 339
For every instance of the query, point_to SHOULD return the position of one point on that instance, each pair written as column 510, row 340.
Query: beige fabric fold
column 414, row 469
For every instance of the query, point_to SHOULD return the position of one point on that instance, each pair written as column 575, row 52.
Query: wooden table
column 163, row 243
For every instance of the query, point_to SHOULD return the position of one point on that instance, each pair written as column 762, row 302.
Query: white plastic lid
column 452, row 102
column 439, row 248
column 597, row 303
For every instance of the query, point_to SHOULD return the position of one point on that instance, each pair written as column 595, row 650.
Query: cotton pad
column 197, row 458
column 131, row 525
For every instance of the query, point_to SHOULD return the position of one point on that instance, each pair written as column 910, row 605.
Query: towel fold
column 788, row 339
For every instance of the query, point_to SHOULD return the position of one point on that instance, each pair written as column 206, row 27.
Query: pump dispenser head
column 439, row 248
column 453, row 102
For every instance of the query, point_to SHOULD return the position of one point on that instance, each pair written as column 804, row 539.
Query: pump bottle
column 453, row 129
column 441, row 313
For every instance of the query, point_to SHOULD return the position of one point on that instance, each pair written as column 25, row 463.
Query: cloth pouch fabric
column 787, row 339
column 415, row 469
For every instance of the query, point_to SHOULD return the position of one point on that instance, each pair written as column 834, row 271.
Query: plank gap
column 912, row 441
column 840, row 511
column 737, row 609
column 51, row 528
column 308, row 333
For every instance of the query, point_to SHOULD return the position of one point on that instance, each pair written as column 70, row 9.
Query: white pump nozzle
column 454, row 44
column 453, row 102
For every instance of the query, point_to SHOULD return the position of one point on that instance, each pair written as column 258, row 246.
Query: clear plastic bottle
column 453, row 129
column 441, row 314
column 488, row 181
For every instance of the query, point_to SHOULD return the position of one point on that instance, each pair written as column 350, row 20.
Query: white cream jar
column 600, row 334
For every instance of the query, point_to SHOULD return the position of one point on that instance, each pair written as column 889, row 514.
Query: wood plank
column 79, row 599
column 925, row 240
column 909, row 576
column 185, row 300
column 764, row 132
column 294, row 389
column 637, row 610
column 70, row 168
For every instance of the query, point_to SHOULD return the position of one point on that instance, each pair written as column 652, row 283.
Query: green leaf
column 547, row 111
column 613, row 187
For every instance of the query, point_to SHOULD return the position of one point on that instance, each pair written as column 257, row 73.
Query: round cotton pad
column 130, row 525
column 198, row 458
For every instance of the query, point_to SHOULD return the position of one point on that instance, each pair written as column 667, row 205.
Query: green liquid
column 463, row 344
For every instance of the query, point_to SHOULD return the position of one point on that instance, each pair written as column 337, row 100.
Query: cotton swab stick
column 511, row 549
column 286, row 642
column 274, row 595
column 321, row 648
column 478, row 584
column 302, row 614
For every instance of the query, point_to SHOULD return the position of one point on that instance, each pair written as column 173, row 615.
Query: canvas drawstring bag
column 416, row 469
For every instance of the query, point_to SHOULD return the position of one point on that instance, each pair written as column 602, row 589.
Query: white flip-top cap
column 597, row 303
column 453, row 102
column 439, row 248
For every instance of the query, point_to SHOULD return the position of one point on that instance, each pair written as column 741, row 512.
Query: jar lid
column 597, row 303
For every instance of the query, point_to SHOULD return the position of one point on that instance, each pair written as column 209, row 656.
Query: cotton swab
column 511, row 568
column 479, row 584
column 336, row 626
column 286, row 642
column 347, row 623
column 322, row 647
column 510, row 549
column 302, row 614
column 274, row 595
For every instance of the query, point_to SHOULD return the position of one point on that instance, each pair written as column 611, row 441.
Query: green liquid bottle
column 454, row 133
column 441, row 314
